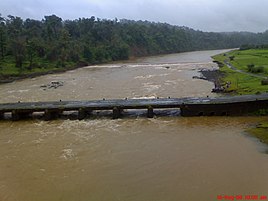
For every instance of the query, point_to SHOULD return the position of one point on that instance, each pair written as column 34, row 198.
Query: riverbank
column 214, row 76
column 235, row 65
column 239, row 68
column 10, row 73
column 260, row 131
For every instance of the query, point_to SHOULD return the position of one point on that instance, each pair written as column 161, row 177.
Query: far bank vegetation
column 32, row 46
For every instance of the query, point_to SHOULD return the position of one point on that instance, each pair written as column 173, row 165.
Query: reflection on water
column 136, row 159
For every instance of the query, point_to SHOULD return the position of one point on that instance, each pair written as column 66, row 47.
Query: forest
column 32, row 45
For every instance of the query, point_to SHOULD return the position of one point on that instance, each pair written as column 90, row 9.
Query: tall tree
column 3, row 36
column 63, row 46
column 53, row 25
column 17, row 39
column 54, row 42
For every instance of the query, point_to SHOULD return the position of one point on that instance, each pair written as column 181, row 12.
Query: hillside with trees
column 30, row 46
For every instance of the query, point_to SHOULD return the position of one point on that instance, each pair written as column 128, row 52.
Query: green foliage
column 258, row 69
column 232, row 58
column 30, row 45
column 261, row 132
column 246, row 61
column 258, row 57
column 255, row 69
column 264, row 82
column 246, row 46
column 262, row 112
column 250, row 67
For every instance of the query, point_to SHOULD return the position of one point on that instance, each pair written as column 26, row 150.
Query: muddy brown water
column 137, row 159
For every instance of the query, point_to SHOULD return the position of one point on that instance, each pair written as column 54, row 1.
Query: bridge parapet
column 220, row 106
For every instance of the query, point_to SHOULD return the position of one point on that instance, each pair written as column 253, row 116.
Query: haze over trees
column 29, row 44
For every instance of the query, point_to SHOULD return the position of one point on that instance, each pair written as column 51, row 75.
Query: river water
column 131, row 159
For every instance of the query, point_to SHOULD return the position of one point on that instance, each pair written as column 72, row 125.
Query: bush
column 231, row 58
column 259, row 69
column 247, row 47
column 253, row 69
column 250, row 67
column 264, row 82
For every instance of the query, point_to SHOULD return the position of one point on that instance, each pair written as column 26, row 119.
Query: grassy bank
column 242, row 80
column 9, row 72
column 236, row 67
column 261, row 132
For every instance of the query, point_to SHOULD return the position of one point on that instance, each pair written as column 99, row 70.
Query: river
column 167, row 158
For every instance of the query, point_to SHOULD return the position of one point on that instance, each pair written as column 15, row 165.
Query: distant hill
column 30, row 45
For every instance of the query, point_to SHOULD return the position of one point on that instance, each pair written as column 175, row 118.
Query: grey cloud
column 206, row 15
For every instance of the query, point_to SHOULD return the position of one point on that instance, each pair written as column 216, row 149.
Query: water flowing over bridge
column 219, row 106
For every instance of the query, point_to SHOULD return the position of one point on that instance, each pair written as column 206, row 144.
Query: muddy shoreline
column 212, row 75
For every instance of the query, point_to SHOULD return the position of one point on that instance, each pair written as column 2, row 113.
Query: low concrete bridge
column 220, row 106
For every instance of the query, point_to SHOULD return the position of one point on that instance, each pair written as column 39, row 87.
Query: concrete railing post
column 116, row 113
column 15, row 115
column 150, row 112
column 82, row 113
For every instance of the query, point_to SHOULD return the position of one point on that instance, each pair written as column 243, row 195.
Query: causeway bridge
column 205, row 106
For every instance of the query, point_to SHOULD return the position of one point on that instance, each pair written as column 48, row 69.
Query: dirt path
column 241, row 71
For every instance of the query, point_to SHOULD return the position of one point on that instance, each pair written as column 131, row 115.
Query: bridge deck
column 94, row 105
column 30, row 107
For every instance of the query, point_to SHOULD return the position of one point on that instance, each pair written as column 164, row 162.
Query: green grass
column 258, row 57
column 8, row 68
column 261, row 132
column 246, row 84
column 242, row 83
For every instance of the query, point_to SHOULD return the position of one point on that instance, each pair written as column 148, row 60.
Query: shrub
column 259, row 69
column 231, row 58
column 264, row 82
column 253, row 69
column 250, row 67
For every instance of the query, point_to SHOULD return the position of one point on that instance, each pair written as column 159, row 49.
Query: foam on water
column 145, row 97
column 67, row 154
column 167, row 157
column 150, row 87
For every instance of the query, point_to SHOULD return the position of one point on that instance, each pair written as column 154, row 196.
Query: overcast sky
column 205, row 15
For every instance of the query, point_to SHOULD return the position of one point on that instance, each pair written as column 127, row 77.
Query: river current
column 167, row 158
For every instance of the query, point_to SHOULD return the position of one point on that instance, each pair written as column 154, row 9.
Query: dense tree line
column 91, row 40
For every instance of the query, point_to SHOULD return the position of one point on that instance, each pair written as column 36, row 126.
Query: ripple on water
column 67, row 154
column 131, row 158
